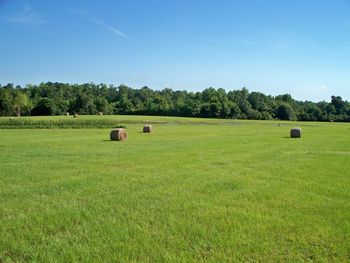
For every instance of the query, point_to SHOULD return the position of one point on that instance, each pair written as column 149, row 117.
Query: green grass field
column 195, row 190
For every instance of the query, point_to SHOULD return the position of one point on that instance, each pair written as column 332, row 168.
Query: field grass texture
column 194, row 190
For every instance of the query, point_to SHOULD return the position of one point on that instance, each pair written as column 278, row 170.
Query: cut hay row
column 57, row 124
column 121, row 134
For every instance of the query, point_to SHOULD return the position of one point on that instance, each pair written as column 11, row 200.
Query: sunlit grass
column 233, row 191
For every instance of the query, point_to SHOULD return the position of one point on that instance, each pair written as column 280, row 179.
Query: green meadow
column 194, row 190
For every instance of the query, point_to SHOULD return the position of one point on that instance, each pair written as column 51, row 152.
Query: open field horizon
column 193, row 190
column 249, row 107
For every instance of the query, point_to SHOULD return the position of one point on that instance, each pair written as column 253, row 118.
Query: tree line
column 61, row 98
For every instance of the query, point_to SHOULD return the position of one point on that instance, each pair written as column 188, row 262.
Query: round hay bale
column 118, row 135
column 295, row 133
column 76, row 115
column 147, row 128
column 100, row 113
column 67, row 113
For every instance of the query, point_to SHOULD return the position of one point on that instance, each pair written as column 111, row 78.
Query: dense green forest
column 60, row 98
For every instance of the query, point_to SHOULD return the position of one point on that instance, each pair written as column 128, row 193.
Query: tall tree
column 21, row 103
column 285, row 112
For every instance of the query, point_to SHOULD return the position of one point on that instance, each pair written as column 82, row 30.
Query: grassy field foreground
column 194, row 190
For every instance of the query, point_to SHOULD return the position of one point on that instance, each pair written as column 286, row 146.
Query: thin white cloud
column 323, row 88
column 28, row 17
column 110, row 28
column 101, row 23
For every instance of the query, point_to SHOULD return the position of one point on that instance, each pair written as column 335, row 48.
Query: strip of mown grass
column 108, row 121
column 22, row 123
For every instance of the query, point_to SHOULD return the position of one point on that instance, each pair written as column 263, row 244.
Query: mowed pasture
column 194, row 190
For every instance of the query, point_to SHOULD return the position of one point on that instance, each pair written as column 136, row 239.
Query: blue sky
column 301, row 47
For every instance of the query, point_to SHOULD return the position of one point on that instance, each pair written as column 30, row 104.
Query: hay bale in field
column 67, row 113
column 118, row 135
column 147, row 128
column 76, row 115
column 295, row 133
column 100, row 113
